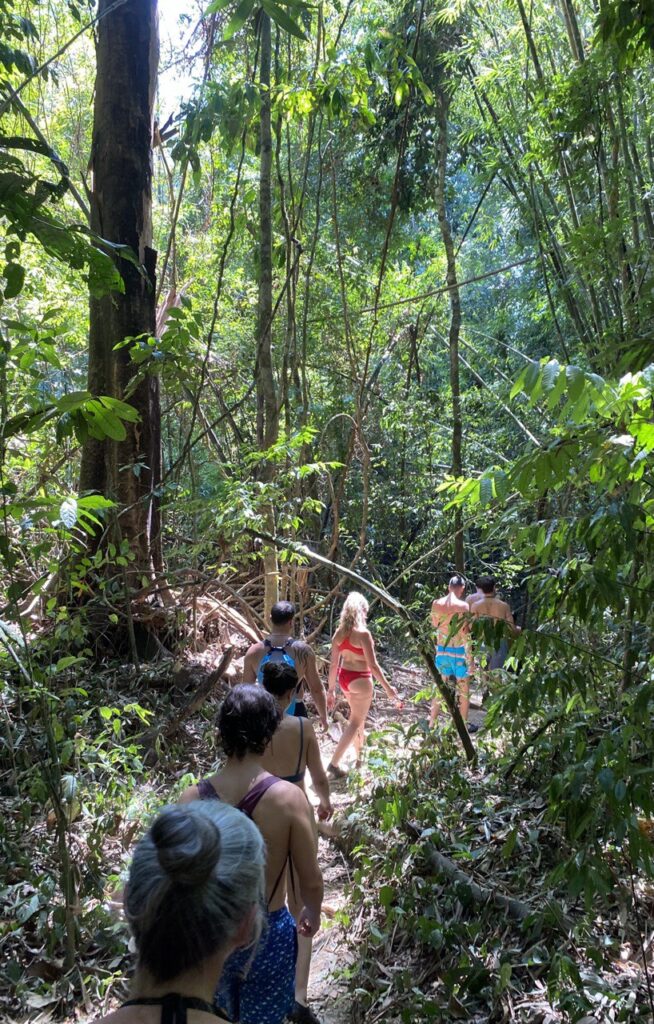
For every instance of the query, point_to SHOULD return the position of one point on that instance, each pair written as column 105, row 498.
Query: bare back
column 361, row 639
column 285, row 821
column 152, row 1015
column 492, row 608
column 282, row 756
column 443, row 610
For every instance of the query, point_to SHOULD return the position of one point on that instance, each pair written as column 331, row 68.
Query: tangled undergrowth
column 459, row 908
column 110, row 784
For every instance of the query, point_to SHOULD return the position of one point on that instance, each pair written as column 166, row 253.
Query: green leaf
column 238, row 19
column 576, row 378
column 121, row 409
column 66, row 662
column 485, row 490
column 68, row 512
column 14, row 275
column 386, row 895
column 217, row 5
column 281, row 18
column 509, row 844
column 74, row 400
column 551, row 375
column 105, row 421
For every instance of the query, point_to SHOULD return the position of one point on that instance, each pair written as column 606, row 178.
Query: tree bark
column 443, row 106
column 267, row 404
column 127, row 471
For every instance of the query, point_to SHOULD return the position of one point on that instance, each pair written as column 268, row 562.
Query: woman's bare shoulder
column 361, row 634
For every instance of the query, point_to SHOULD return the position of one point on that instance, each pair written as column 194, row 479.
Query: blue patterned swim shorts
column 451, row 661
column 264, row 993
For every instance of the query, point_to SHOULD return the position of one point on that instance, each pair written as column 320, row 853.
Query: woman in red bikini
column 354, row 665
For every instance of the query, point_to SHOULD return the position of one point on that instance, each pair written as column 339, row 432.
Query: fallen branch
column 200, row 696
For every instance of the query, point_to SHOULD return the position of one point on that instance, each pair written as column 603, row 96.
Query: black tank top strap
column 174, row 1007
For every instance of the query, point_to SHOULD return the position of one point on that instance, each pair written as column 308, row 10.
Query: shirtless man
column 303, row 657
column 478, row 595
column 491, row 607
column 451, row 653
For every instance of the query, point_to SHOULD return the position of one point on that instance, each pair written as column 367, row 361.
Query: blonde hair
column 354, row 614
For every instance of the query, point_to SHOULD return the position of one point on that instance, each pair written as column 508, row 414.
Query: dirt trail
column 328, row 993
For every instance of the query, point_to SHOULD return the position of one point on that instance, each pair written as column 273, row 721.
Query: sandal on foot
column 336, row 773
column 301, row 1014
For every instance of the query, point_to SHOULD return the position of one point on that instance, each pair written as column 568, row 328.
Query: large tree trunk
column 455, row 316
column 127, row 471
column 267, row 404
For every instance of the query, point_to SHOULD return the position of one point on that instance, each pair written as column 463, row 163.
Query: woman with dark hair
column 263, row 991
column 194, row 895
column 294, row 748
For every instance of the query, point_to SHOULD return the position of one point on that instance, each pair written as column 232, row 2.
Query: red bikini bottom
column 347, row 675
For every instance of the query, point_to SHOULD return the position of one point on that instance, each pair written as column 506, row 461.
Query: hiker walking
column 354, row 665
column 259, row 987
column 450, row 618
column 281, row 647
column 492, row 607
column 292, row 751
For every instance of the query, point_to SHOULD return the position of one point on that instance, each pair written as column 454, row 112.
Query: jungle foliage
column 324, row 177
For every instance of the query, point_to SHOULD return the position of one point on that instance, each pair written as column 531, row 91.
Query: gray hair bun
column 187, row 845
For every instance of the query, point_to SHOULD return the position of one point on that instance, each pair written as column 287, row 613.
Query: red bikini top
column 345, row 645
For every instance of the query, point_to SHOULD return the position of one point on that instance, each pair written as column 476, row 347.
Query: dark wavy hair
column 247, row 721
column 279, row 679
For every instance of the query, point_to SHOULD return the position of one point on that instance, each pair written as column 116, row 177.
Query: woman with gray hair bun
column 194, row 895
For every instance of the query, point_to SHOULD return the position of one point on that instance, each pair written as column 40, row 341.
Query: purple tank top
column 249, row 801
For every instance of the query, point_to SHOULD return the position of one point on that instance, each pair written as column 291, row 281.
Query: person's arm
column 189, row 795
column 304, row 854
column 436, row 617
column 313, row 681
column 508, row 615
column 368, row 645
column 318, row 774
column 250, row 663
column 333, row 673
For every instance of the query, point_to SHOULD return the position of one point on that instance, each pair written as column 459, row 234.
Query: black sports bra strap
column 174, row 1007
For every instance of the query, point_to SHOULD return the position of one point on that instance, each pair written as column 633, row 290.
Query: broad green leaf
column 239, row 17
column 281, row 18
column 14, row 275
column 551, row 373
column 486, row 490
column 68, row 512
column 74, row 400
column 576, row 378
column 217, row 5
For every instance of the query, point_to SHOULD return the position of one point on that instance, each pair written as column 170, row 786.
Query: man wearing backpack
column 282, row 647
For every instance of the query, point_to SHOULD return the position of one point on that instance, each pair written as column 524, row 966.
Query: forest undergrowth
column 459, row 909
column 446, row 894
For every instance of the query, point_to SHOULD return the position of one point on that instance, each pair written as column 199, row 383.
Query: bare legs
column 304, row 946
column 359, row 697
column 462, row 687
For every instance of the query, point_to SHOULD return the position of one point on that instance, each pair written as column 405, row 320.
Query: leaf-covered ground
column 401, row 941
